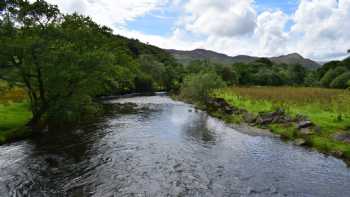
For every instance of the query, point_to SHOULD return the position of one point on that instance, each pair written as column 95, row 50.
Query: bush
column 341, row 81
column 197, row 87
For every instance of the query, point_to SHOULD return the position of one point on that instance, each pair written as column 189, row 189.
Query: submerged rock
column 300, row 142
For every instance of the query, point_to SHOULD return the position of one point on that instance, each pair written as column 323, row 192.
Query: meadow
column 329, row 109
column 14, row 113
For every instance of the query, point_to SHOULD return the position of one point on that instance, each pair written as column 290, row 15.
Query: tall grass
column 11, row 94
column 330, row 108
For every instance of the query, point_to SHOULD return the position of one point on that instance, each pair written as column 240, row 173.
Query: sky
column 316, row 29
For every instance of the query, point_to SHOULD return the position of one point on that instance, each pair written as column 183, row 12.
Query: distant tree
column 196, row 66
column 341, row 81
column 245, row 73
column 296, row 74
column 326, row 67
column 197, row 87
column 227, row 73
column 328, row 78
column 311, row 79
column 265, row 61
column 267, row 77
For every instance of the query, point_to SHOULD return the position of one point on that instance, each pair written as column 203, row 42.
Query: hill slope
column 186, row 57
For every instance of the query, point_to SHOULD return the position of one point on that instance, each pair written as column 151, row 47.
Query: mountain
column 296, row 58
column 185, row 57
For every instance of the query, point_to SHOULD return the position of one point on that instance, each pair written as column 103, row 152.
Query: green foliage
column 311, row 79
column 144, row 83
column 331, row 75
column 227, row 73
column 197, row 87
column 268, row 78
column 296, row 74
column 328, row 78
column 341, row 81
column 65, row 61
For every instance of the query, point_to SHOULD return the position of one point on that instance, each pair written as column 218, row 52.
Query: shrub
column 197, row 87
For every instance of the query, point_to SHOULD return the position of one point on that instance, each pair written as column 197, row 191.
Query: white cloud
column 110, row 12
column 322, row 27
column 220, row 18
column 270, row 35
column 318, row 29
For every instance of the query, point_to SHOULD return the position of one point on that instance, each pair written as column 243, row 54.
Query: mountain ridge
column 186, row 57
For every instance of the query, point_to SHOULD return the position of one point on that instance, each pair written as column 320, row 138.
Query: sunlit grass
column 14, row 114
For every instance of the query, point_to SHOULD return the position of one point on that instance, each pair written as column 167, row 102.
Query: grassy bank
column 14, row 114
column 327, row 109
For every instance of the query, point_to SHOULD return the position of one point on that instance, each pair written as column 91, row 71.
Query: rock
column 306, row 131
column 304, row 124
column 263, row 120
column 343, row 137
column 229, row 110
column 299, row 142
column 221, row 104
column 301, row 118
column 249, row 117
column 317, row 129
column 271, row 117
column 337, row 153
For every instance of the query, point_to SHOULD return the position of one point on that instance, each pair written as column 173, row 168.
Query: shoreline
column 239, row 123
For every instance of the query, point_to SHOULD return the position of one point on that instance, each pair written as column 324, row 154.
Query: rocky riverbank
column 299, row 129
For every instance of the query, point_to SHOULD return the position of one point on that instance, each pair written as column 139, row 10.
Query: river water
column 160, row 147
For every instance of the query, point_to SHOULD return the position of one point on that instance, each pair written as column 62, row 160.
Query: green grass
column 322, row 106
column 14, row 113
column 327, row 108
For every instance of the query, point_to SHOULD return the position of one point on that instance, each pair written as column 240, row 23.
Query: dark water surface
column 165, row 148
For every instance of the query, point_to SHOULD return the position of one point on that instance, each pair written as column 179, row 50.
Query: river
column 160, row 147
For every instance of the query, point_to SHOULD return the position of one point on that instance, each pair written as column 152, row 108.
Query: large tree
column 61, row 61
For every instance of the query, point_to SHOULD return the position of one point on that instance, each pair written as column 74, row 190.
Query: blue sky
column 316, row 29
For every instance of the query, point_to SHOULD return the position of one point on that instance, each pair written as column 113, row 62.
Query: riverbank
column 312, row 117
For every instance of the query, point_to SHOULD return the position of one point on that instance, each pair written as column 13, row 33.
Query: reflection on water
column 159, row 147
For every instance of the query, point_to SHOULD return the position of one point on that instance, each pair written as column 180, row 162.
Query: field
column 14, row 114
column 329, row 109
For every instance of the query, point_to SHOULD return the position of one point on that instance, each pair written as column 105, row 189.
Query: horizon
column 314, row 29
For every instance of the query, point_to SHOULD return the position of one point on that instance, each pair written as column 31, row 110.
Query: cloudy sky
column 317, row 29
